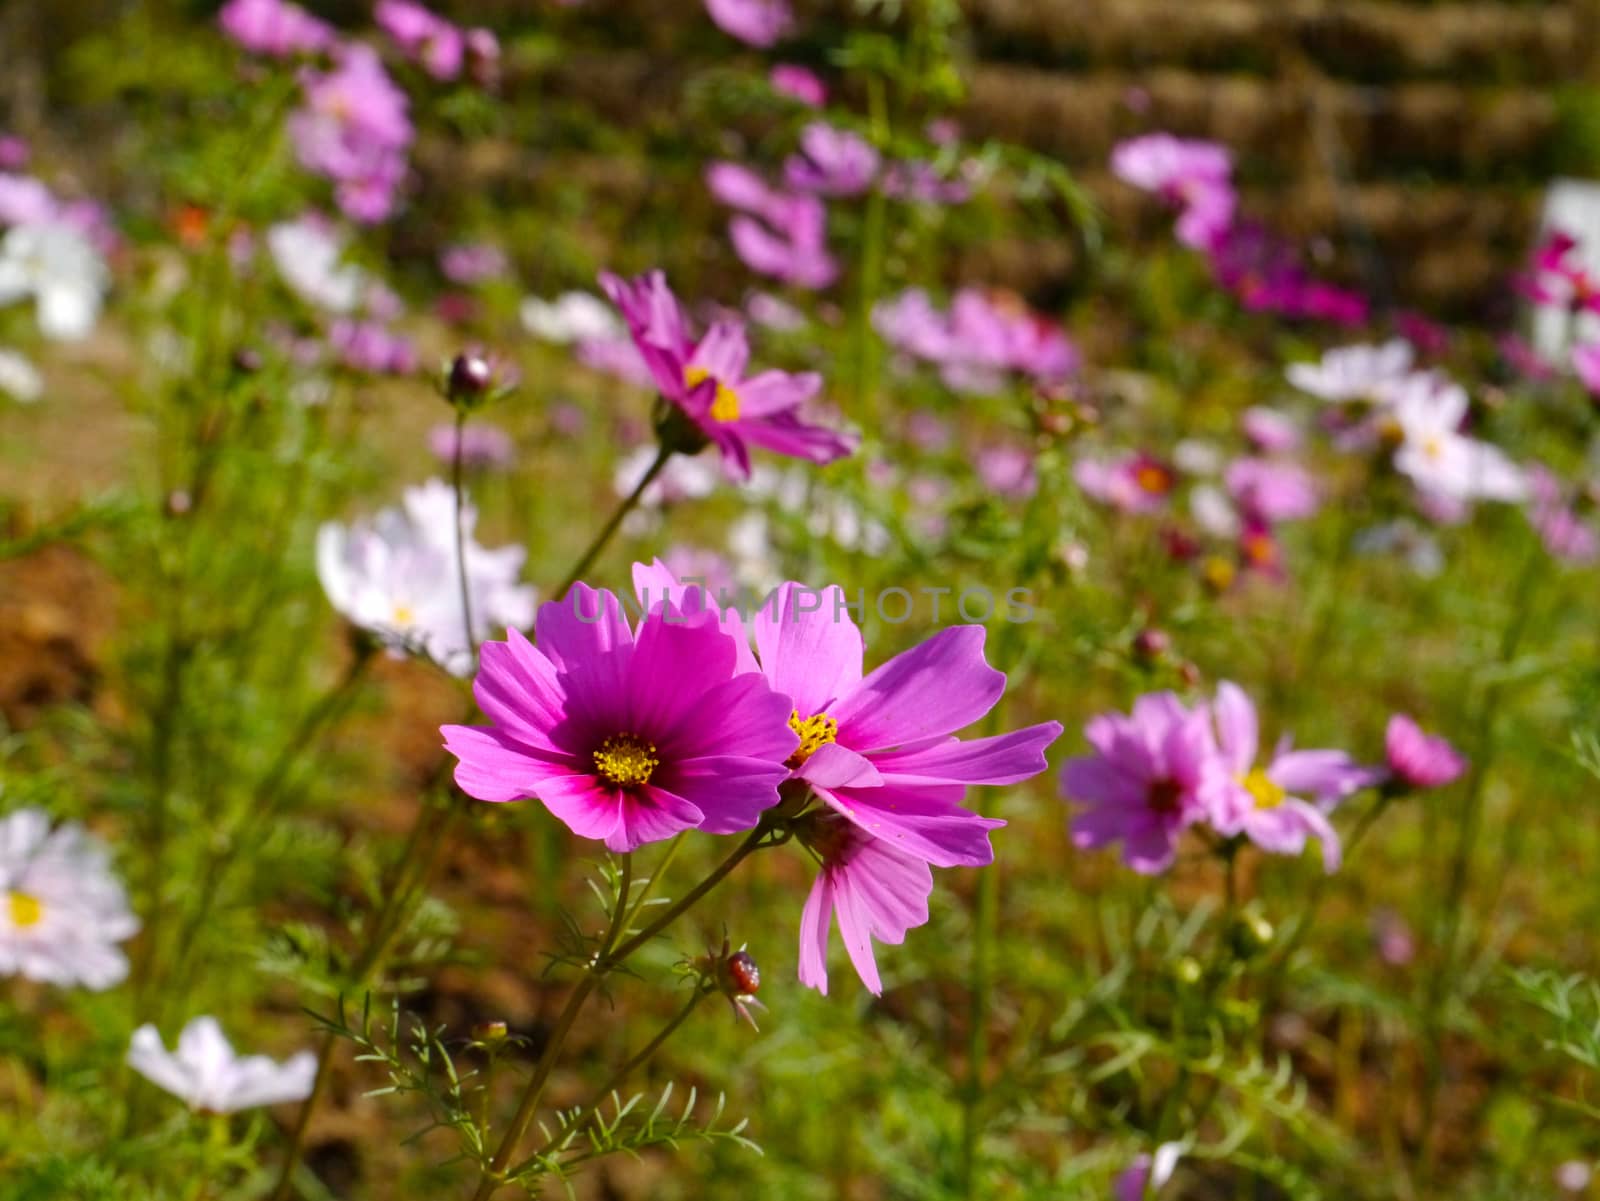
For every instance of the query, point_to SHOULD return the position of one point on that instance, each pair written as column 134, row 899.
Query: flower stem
column 983, row 932
column 317, row 719
column 560, row 1142
column 461, row 534
column 610, row 527
column 423, row 850
column 610, row 956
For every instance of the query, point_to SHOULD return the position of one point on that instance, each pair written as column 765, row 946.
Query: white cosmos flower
column 306, row 252
column 1359, row 372
column 61, row 270
column 206, row 1073
column 62, row 912
column 396, row 576
column 19, row 378
column 1442, row 461
column 570, row 317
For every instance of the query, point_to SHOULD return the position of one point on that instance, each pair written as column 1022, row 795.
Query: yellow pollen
column 725, row 405
column 1267, row 794
column 626, row 760
column 1433, row 448
column 815, row 732
column 26, row 910
column 404, row 617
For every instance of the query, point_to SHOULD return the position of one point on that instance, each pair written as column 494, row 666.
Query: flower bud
column 469, row 379
column 490, row 1034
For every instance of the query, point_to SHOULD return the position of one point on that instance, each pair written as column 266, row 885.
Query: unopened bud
column 469, row 379
column 491, row 1034
column 1151, row 643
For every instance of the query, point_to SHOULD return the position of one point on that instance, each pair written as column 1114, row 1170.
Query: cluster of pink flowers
column 1167, row 766
column 706, row 379
column 760, row 23
column 633, row 733
column 276, row 28
column 983, row 339
column 779, row 234
column 371, row 347
column 354, row 129
column 1554, row 513
column 1259, row 268
column 442, row 49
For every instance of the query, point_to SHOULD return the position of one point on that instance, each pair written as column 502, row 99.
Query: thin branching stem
column 615, row 520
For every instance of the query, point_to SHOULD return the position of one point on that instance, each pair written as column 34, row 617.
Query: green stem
column 560, row 1142
column 461, row 535
column 1441, row 982
column 423, row 850
column 983, row 920
column 610, row 527
column 317, row 719
column 611, row 955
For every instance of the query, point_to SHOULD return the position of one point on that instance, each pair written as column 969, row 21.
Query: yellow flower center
column 26, row 910
column 1267, row 794
column 725, row 405
column 404, row 617
column 1433, row 448
column 815, row 732
column 1153, row 479
column 626, row 760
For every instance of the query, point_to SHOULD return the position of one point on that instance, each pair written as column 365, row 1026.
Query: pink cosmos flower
column 706, row 379
column 1194, row 176
column 777, row 234
column 1268, row 491
column 984, row 336
column 1586, row 363
column 354, row 130
column 1146, row 781
column 799, row 84
column 423, row 36
column 627, row 736
column 1418, row 760
column 473, row 263
column 1135, row 483
column 1257, row 801
column 1524, row 360
column 831, row 162
column 1558, row 276
column 1565, row 534
column 275, row 28
column 1270, row 430
column 14, row 152
column 1007, row 470
column 920, row 182
column 483, row 447
column 759, row 23
column 879, row 750
column 372, row 347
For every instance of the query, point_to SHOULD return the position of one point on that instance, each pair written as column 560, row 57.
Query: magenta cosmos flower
column 879, row 751
column 355, row 130
column 1258, row 802
column 800, row 84
column 1193, row 176
column 275, row 28
column 626, row 736
column 1146, row 781
column 782, row 235
column 754, row 22
column 831, row 162
column 1134, row 483
column 1418, row 760
column 705, row 378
